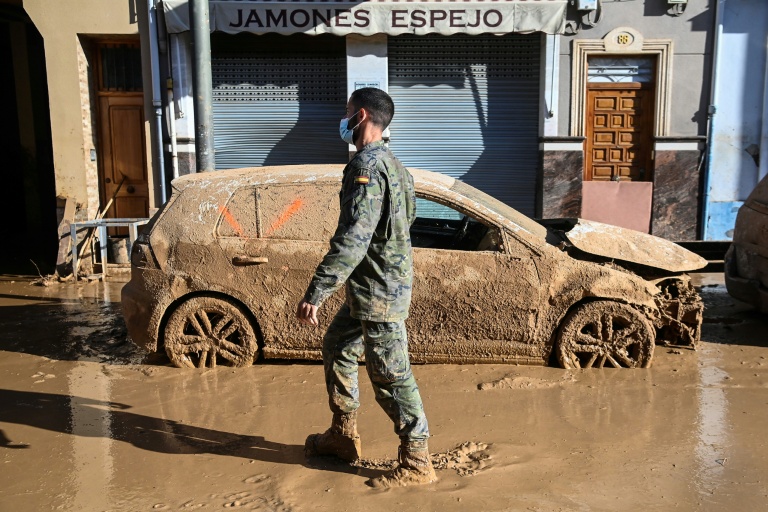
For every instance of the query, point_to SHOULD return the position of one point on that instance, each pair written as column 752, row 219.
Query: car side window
column 438, row 226
column 238, row 217
column 307, row 211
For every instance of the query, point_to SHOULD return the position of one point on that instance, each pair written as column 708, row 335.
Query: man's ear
column 362, row 115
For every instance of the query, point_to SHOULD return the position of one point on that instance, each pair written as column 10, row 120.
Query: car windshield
column 500, row 208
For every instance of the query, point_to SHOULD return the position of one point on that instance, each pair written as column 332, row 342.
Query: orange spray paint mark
column 289, row 212
column 231, row 221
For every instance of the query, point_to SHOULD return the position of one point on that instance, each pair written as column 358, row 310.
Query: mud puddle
column 65, row 321
column 86, row 426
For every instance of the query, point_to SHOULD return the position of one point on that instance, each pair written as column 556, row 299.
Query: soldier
column 371, row 253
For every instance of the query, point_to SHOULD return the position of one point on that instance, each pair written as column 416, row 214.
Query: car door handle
column 249, row 260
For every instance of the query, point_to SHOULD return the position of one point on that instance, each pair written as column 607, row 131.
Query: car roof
column 318, row 173
column 294, row 174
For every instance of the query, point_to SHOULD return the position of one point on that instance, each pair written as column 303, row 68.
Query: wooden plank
column 63, row 259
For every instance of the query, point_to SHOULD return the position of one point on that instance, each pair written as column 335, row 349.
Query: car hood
column 627, row 245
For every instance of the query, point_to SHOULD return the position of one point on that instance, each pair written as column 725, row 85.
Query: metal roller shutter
column 468, row 106
column 277, row 103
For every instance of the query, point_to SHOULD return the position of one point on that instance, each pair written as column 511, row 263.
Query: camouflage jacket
column 371, row 249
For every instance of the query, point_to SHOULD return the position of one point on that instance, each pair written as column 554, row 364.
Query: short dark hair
column 379, row 105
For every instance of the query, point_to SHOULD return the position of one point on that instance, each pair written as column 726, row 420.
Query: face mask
column 347, row 133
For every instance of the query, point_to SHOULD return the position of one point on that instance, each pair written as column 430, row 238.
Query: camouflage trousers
column 385, row 345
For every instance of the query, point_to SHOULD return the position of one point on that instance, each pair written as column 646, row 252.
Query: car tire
column 605, row 334
column 204, row 331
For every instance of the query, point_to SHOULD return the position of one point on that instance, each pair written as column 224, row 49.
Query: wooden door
column 123, row 156
column 619, row 145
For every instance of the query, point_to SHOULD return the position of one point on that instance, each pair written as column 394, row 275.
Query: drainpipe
column 711, row 111
column 157, row 104
column 172, row 129
column 203, row 85
column 170, row 108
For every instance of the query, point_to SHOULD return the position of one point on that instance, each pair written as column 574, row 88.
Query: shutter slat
column 271, row 110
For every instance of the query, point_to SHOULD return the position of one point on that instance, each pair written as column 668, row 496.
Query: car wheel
column 206, row 331
column 603, row 333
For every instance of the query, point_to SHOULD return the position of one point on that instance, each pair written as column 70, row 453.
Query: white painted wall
column 367, row 65
column 740, row 101
column 549, row 97
column 181, row 70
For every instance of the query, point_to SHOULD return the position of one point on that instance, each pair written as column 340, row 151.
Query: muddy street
column 90, row 423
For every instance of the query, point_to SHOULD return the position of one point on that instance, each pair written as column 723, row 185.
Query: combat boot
column 414, row 468
column 340, row 440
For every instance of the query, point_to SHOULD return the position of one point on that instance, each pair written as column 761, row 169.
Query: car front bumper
column 681, row 313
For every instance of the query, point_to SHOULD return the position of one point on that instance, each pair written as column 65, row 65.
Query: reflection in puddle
column 92, row 437
column 713, row 424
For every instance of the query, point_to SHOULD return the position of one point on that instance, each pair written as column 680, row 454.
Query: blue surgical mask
column 347, row 133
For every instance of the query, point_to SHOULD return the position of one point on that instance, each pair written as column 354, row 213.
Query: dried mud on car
column 219, row 270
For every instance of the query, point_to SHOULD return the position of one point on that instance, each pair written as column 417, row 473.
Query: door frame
column 624, row 41
column 99, row 93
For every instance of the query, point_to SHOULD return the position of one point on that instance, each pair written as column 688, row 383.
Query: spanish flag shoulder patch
column 362, row 180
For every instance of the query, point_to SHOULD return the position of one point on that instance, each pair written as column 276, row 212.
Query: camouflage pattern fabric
column 385, row 345
column 371, row 249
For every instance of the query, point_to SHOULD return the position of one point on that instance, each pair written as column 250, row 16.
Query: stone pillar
column 676, row 177
column 562, row 171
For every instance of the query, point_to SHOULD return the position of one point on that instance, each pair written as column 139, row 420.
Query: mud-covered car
column 746, row 262
column 217, row 274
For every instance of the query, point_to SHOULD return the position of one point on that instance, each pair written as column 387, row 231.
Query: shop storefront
column 467, row 82
column 277, row 99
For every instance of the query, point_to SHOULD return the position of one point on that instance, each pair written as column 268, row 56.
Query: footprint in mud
column 42, row 377
column 256, row 479
column 241, row 499
column 252, row 502
column 521, row 382
column 262, row 497
column 192, row 505
column 466, row 459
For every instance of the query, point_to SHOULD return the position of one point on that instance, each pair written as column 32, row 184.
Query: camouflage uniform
column 371, row 252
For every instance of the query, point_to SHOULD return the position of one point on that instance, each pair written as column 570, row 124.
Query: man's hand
column 307, row 313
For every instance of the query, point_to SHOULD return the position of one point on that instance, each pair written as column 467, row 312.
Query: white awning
column 393, row 17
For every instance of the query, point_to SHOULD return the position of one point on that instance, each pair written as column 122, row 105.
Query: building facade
column 559, row 112
column 78, row 86
column 591, row 109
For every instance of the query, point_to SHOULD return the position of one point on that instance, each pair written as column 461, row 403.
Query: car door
column 274, row 236
column 476, row 292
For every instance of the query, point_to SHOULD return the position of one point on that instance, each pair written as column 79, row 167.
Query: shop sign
column 368, row 18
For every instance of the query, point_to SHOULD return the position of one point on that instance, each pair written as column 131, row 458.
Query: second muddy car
column 218, row 271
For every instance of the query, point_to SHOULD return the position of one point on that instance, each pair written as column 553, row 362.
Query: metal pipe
column 172, row 129
column 711, row 111
column 157, row 103
column 203, row 85
column 170, row 106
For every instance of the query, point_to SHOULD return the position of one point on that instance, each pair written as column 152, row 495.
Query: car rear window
column 147, row 228
column 298, row 212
